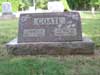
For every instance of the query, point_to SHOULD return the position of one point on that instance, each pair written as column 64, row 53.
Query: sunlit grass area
column 49, row 65
column 89, row 15
column 8, row 31
column 91, row 26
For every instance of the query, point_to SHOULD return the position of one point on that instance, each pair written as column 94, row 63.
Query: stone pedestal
column 7, row 16
column 86, row 46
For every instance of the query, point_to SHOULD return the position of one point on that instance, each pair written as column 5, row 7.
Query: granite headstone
column 49, row 27
column 55, row 33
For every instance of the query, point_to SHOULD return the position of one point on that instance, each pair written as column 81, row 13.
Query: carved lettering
column 68, row 30
column 49, row 21
column 34, row 32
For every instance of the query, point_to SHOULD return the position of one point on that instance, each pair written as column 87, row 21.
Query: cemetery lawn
column 49, row 65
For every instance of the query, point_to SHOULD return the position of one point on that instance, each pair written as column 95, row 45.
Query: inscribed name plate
column 49, row 27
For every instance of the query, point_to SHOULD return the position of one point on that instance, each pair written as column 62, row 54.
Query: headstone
column 55, row 6
column 7, row 11
column 31, row 9
column 6, row 8
column 50, row 27
column 56, row 33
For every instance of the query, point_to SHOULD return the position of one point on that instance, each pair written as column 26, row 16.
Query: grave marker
column 7, row 11
column 50, row 34
column 55, row 6
column 50, row 27
column 6, row 8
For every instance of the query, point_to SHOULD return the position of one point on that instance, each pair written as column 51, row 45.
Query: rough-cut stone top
column 49, row 27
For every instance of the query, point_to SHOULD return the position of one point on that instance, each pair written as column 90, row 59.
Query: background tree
column 73, row 4
column 41, row 4
column 15, row 4
column 66, row 6
column 79, row 4
column 94, row 4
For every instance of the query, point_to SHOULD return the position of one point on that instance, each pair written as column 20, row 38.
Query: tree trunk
column 93, row 10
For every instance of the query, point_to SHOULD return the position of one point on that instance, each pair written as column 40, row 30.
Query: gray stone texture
column 50, row 34
column 49, row 27
column 86, row 46
column 7, row 16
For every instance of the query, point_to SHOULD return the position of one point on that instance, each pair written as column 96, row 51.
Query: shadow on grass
column 96, row 40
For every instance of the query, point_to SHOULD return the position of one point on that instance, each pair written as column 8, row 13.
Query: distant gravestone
column 50, row 27
column 55, row 6
column 56, row 33
column 7, row 11
column 6, row 8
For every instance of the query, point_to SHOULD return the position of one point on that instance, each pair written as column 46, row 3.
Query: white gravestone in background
column 6, row 7
column 55, row 6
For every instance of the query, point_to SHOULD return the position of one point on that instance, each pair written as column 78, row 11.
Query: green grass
column 69, row 65
column 8, row 31
column 91, row 26
column 49, row 65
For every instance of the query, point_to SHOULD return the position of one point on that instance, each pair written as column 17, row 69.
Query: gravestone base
column 7, row 16
column 51, row 48
column 8, row 13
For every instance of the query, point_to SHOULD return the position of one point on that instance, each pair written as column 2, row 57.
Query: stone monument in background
column 6, row 8
column 55, row 6
column 53, row 33
column 7, row 11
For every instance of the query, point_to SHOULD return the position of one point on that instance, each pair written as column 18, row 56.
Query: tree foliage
column 41, row 4
column 79, row 4
column 68, row 4
column 95, row 2
column 15, row 4
column 83, row 4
